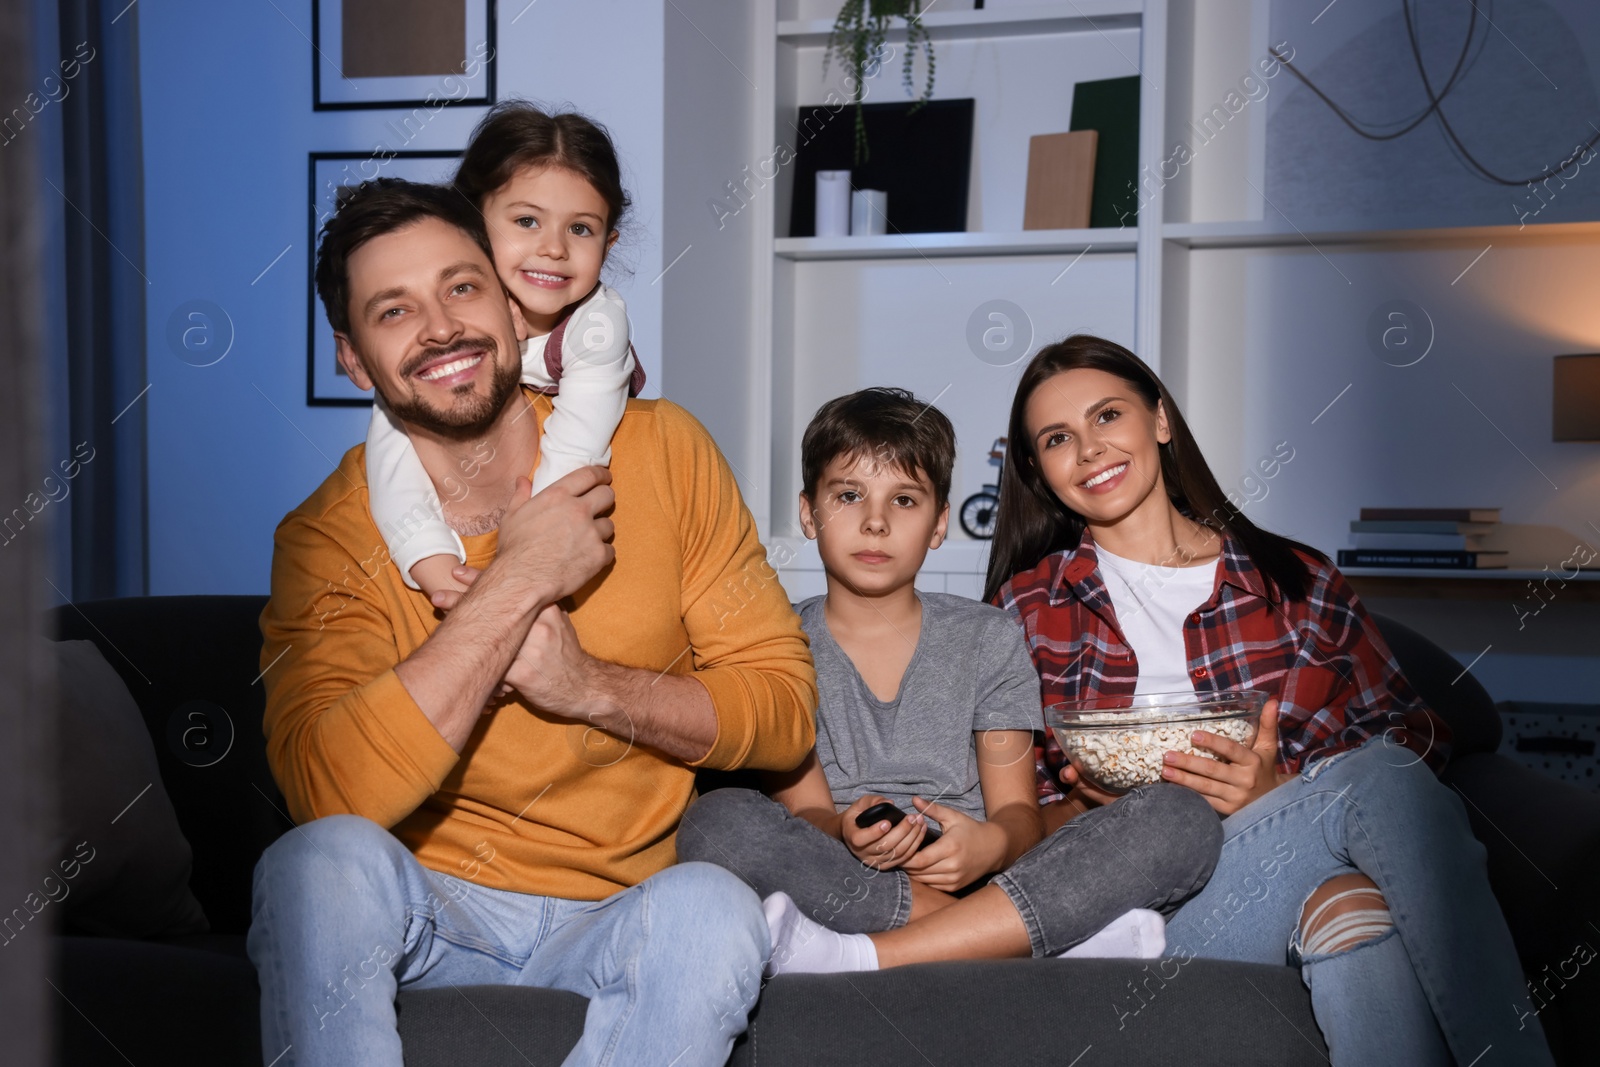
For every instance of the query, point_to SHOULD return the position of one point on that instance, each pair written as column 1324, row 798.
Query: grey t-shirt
column 971, row 672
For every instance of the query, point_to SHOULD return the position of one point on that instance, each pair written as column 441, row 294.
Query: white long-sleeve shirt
column 593, row 392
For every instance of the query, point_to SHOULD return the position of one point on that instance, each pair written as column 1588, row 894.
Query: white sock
column 804, row 946
column 1140, row 934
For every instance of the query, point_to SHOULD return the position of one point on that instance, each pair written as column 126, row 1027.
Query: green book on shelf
column 1111, row 107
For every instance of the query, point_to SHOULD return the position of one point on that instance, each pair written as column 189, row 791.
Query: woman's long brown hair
column 1032, row 522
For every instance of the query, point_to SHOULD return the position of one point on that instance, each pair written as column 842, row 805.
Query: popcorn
column 1119, row 758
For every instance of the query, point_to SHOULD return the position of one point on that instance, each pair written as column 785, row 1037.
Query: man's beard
column 471, row 415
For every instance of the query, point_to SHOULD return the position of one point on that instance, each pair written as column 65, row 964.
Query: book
column 1461, row 561
column 1111, row 107
column 1436, row 542
column 1060, row 180
column 1432, row 514
column 1403, row 526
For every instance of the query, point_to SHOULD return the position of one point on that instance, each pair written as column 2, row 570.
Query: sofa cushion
column 139, row 1002
column 193, row 665
column 1021, row 1012
column 122, row 864
column 486, row 1025
column 1016, row 1012
column 1542, row 837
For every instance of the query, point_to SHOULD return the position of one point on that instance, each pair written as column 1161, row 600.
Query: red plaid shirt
column 1336, row 682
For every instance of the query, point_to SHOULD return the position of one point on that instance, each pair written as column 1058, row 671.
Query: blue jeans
column 1444, row 981
column 344, row 916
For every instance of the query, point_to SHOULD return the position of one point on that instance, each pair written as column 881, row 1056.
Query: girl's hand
column 435, row 575
column 462, row 576
column 1085, row 794
column 1238, row 775
column 968, row 850
column 880, row 846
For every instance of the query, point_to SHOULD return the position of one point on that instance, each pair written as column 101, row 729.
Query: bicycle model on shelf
column 980, row 510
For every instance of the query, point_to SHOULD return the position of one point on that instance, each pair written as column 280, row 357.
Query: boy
column 928, row 705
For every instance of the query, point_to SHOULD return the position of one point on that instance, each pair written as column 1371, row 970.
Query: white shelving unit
column 906, row 245
column 1266, row 234
column 1255, row 321
column 838, row 314
column 830, row 315
column 1505, row 574
column 1023, row 20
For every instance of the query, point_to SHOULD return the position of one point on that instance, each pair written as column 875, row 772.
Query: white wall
column 1273, row 335
column 709, row 288
column 1525, row 100
column 904, row 322
column 227, row 126
column 1278, row 334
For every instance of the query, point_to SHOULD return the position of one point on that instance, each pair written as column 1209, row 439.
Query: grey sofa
column 194, row 999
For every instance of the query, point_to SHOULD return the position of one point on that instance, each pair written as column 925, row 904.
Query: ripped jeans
column 1443, row 981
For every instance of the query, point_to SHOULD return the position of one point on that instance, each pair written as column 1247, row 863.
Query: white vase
column 833, row 203
column 869, row 212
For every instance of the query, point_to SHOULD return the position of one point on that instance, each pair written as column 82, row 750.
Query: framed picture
column 401, row 53
column 326, row 382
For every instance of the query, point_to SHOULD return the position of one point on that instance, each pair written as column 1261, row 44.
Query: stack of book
column 1444, row 538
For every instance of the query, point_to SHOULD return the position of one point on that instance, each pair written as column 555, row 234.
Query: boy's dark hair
column 373, row 209
column 889, row 425
column 516, row 134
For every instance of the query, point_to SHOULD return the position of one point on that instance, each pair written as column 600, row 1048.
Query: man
column 493, row 798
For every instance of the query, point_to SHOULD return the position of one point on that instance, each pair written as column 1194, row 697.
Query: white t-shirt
column 1152, row 603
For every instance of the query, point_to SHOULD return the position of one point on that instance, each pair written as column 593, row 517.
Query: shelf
column 1080, row 17
column 1448, row 574
column 919, row 245
column 1267, row 234
column 1510, row 586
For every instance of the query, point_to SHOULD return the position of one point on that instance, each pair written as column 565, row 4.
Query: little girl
column 551, row 197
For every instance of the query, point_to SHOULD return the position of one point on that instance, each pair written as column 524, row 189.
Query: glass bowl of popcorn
column 1117, row 743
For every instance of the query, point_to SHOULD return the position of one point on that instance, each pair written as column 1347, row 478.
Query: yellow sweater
column 534, row 803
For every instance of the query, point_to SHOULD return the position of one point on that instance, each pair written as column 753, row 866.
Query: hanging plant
column 858, row 38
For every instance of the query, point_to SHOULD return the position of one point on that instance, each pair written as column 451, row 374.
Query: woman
column 1131, row 572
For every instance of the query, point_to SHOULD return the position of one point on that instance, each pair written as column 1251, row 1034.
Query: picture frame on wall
column 327, row 385
column 368, row 54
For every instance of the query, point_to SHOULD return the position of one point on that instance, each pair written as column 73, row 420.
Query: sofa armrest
column 1543, row 840
column 1445, row 686
column 152, row 1003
